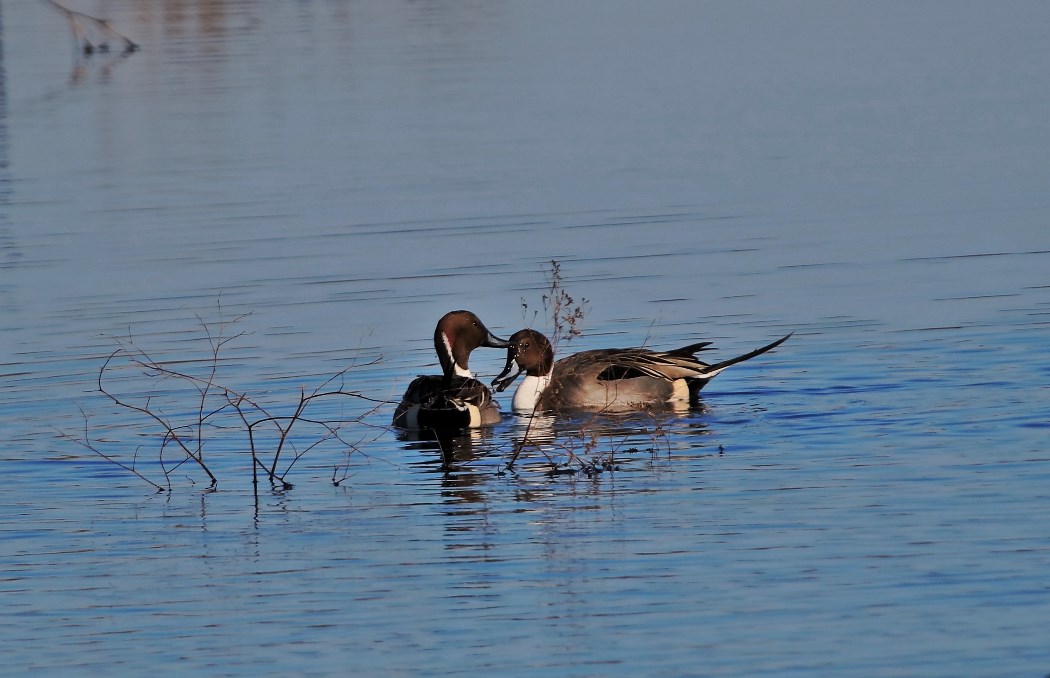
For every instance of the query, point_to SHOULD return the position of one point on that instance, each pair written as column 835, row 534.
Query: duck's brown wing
column 607, row 379
column 629, row 363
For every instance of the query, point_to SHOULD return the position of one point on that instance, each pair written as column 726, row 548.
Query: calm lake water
column 323, row 180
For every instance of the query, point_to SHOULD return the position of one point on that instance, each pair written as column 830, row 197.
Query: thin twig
column 168, row 428
column 78, row 20
column 87, row 444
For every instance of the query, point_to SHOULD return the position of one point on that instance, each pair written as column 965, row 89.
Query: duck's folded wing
column 628, row 363
column 670, row 365
column 691, row 349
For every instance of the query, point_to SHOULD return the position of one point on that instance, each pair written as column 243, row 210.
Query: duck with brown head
column 608, row 380
column 453, row 399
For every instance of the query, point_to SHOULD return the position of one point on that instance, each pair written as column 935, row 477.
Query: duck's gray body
column 609, row 380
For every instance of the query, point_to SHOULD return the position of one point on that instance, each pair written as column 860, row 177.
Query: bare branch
column 87, row 444
column 82, row 24
column 215, row 408
column 146, row 410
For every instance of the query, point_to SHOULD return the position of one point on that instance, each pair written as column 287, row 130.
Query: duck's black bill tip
column 492, row 341
column 505, row 379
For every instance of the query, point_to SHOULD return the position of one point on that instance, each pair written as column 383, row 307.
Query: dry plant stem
column 250, row 413
column 77, row 20
column 170, row 433
column 87, row 444
column 524, row 439
column 565, row 314
column 216, row 343
column 356, row 446
column 565, row 318
column 304, row 400
column 573, row 457
column 236, row 403
column 284, row 424
column 203, row 386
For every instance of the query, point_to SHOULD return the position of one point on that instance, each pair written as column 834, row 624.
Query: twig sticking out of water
column 93, row 35
column 214, row 406
column 565, row 314
column 585, row 452
column 87, row 443
column 565, row 317
column 594, row 448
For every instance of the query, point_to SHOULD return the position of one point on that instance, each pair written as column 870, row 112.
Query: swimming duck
column 609, row 380
column 454, row 399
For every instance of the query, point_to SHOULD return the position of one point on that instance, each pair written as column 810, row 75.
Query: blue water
column 322, row 181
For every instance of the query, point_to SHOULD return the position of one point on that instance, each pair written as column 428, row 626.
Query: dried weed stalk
column 93, row 35
column 583, row 453
column 565, row 314
column 212, row 406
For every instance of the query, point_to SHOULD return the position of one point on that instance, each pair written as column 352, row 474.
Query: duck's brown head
column 533, row 354
column 457, row 334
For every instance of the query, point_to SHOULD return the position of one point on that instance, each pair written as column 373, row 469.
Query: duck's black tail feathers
column 709, row 373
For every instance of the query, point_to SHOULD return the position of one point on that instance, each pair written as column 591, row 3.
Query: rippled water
column 869, row 499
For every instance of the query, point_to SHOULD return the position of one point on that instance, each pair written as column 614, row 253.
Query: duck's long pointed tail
column 707, row 374
column 712, row 370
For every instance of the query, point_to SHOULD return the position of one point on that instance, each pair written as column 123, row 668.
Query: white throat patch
column 456, row 369
column 528, row 393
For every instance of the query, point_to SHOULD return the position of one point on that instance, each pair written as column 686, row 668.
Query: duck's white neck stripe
column 529, row 391
column 456, row 369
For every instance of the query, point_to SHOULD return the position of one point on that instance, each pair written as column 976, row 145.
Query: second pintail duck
column 611, row 380
column 455, row 398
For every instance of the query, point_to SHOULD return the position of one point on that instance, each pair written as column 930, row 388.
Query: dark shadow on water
column 452, row 453
column 544, row 448
column 587, row 444
column 448, row 450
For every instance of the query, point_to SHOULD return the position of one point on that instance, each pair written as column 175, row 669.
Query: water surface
column 867, row 500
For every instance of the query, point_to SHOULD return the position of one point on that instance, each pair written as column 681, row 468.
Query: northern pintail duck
column 609, row 380
column 454, row 399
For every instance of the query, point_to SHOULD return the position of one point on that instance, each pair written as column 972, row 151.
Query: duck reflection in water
column 455, row 448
